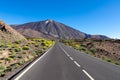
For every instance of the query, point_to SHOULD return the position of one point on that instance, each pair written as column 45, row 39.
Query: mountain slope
column 50, row 29
column 8, row 34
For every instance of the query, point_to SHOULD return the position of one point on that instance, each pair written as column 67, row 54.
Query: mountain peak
column 51, row 29
column 48, row 21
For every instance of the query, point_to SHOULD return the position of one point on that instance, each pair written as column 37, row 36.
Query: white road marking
column 77, row 64
column 65, row 51
column 68, row 55
column 71, row 58
column 91, row 78
column 32, row 65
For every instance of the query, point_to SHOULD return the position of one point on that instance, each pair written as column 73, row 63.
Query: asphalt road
column 64, row 63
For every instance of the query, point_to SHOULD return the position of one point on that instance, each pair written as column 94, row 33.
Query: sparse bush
column 82, row 48
column 83, row 45
column 36, row 45
column 11, row 50
column 9, row 43
column 88, row 52
column 25, row 48
column 8, row 46
column 2, row 74
column 117, row 63
column 25, row 52
column 32, row 42
column 2, row 45
column 30, row 57
column 16, row 66
column 2, row 67
column 15, row 46
column 18, row 49
column 12, row 56
column 66, row 44
column 103, row 58
column 44, row 47
column 34, row 53
column 108, row 60
column 43, row 44
column 9, row 68
column 8, row 59
column 37, row 52
column 92, row 50
column 18, row 42
column 76, row 46
column 19, row 57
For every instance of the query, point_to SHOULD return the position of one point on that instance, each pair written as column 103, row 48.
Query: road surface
column 64, row 63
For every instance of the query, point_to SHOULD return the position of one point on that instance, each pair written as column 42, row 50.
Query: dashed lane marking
column 71, row 58
column 77, row 64
column 91, row 78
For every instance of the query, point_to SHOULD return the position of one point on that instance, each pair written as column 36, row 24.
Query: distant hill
column 52, row 29
column 8, row 34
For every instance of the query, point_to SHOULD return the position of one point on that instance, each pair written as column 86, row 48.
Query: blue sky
column 90, row 16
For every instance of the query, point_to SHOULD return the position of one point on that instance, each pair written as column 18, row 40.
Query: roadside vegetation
column 14, row 54
column 107, row 50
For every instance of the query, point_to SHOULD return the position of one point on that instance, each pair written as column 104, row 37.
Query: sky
column 89, row 16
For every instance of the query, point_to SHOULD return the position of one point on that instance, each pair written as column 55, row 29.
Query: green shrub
column 44, row 47
column 19, row 57
column 15, row 46
column 15, row 65
column 25, row 52
column 18, row 49
column 20, row 63
column 2, row 74
column 43, row 44
column 37, row 52
column 1, row 68
column 66, row 44
column 108, row 60
column 76, row 46
column 88, row 52
column 18, row 42
column 32, row 42
column 92, row 50
column 117, row 62
column 2, row 45
column 12, row 56
column 8, row 46
column 9, row 68
column 30, row 57
column 83, row 45
column 34, row 53
column 36, row 45
column 25, row 48
column 82, row 49
column 103, row 58
column 9, row 43
column 8, row 59
column 11, row 50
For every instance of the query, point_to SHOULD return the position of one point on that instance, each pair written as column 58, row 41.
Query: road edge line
column 32, row 64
